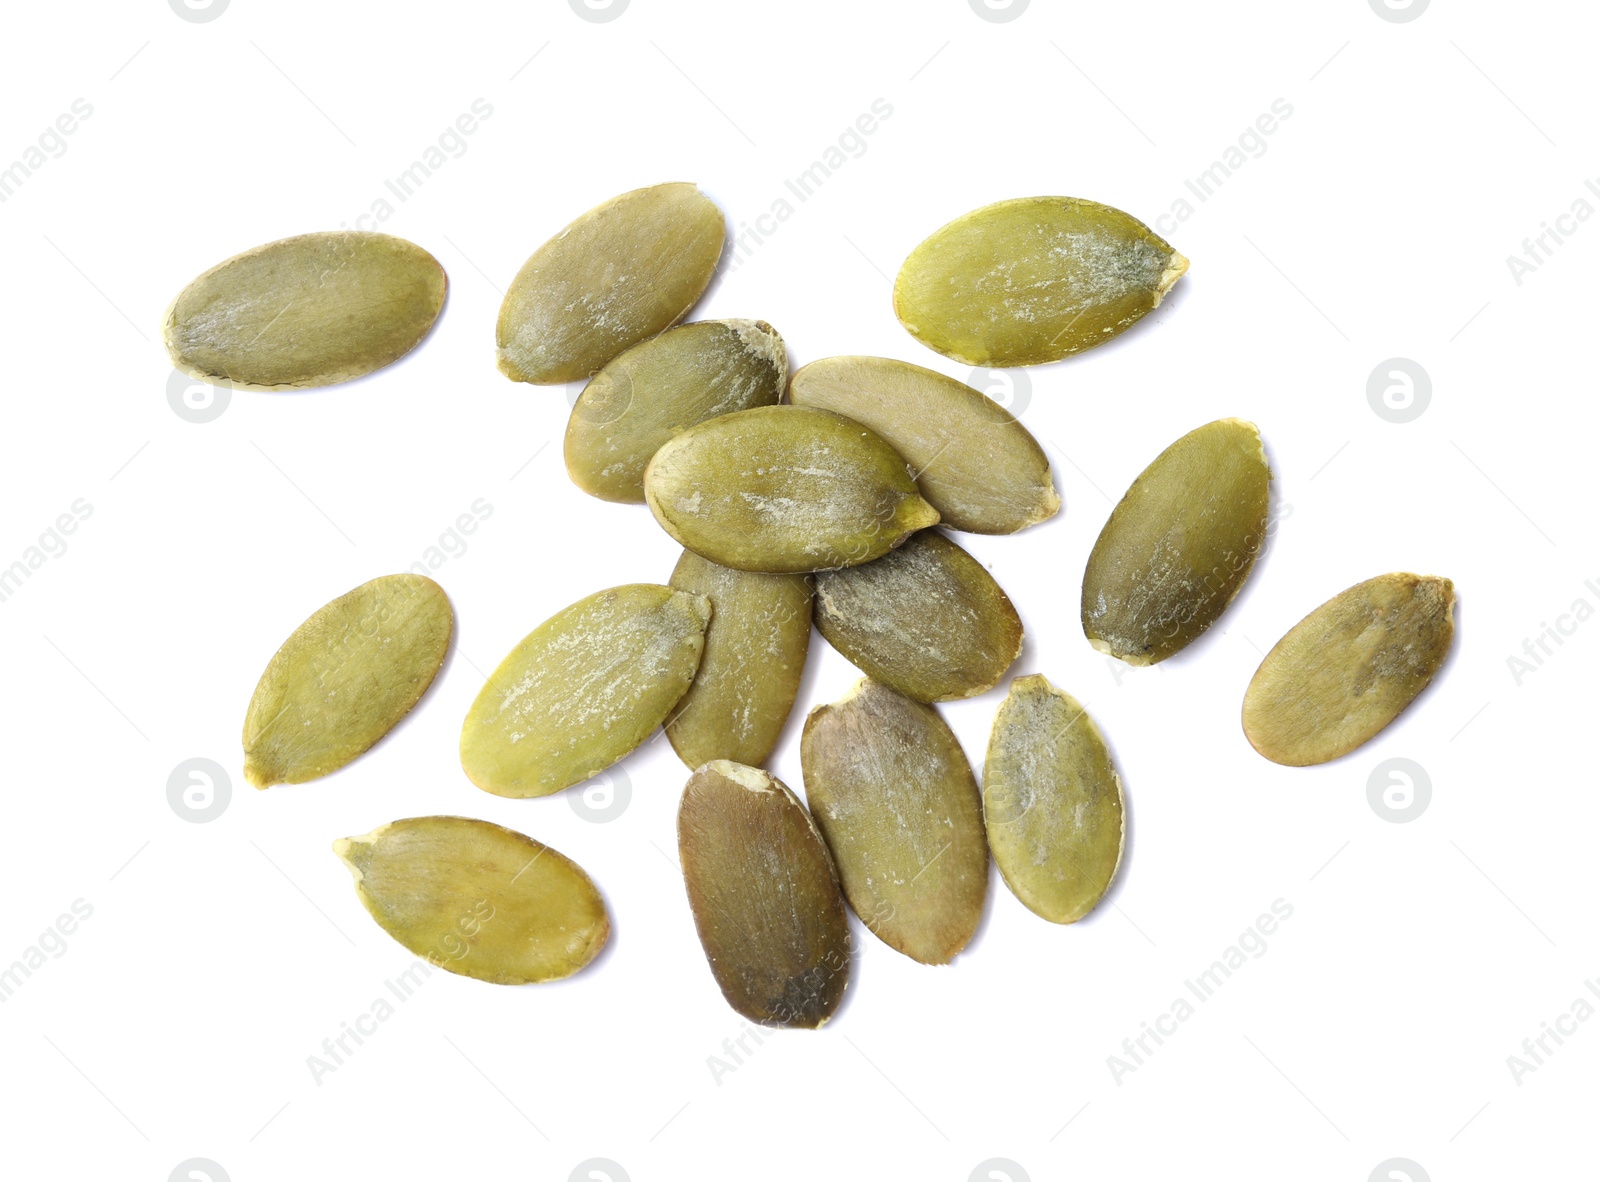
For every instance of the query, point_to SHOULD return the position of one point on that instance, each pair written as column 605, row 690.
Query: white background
column 1376, row 224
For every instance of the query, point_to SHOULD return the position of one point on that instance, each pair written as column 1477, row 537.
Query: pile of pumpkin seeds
column 819, row 509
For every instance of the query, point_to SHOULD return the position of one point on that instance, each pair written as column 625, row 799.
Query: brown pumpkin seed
column 894, row 796
column 765, row 898
column 1348, row 669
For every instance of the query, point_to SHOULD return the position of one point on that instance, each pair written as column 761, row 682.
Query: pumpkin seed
column 1033, row 280
column 344, row 678
column 1179, row 545
column 1348, row 669
column 478, row 899
column 750, row 673
column 306, row 311
column 974, row 462
column 926, row 620
column 764, row 895
column 619, row 274
column 583, row 689
column 1052, row 801
column 894, row 796
column 661, row 386
column 786, row 489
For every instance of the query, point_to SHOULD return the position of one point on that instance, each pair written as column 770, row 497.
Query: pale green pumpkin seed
column 926, row 620
column 1052, row 802
column 306, row 311
column 894, row 796
column 1348, row 669
column 662, row 386
column 784, row 488
column 478, row 899
column 583, row 689
column 765, row 897
column 1179, row 545
column 974, row 462
column 750, row 673
column 618, row 275
column 1033, row 280
column 344, row 678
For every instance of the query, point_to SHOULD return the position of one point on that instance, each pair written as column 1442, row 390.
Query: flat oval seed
column 786, row 489
column 894, row 796
column 974, row 462
column 1347, row 670
column 658, row 388
column 750, row 673
column 1033, row 280
column 478, row 899
column 1052, row 801
column 765, row 898
column 1179, row 545
column 926, row 620
column 619, row 274
column 306, row 311
column 344, row 678
column 583, row 689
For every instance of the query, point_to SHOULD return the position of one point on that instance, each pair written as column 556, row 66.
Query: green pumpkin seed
column 1347, row 670
column 344, row 678
column 786, row 489
column 306, row 311
column 1052, row 801
column 926, row 620
column 750, row 673
column 1033, row 280
column 583, row 689
column 478, row 899
column 618, row 275
column 764, row 895
column 894, row 796
column 1179, row 545
column 974, row 462
column 662, row 386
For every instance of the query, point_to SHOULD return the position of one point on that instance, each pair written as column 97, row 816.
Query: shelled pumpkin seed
column 894, row 796
column 1179, row 545
column 307, row 311
column 1348, row 669
column 926, row 620
column 619, row 274
column 344, row 678
column 584, row 689
column 750, row 672
column 974, row 462
column 662, row 386
column 765, row 897
column 1052, row 801
column 784, row 489
column 1033, row 280
column 478, row 899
